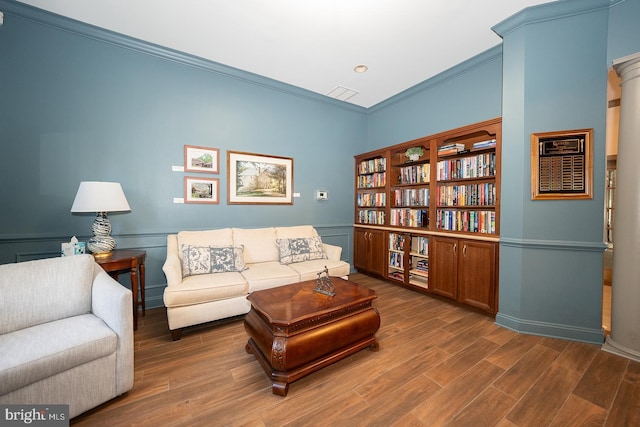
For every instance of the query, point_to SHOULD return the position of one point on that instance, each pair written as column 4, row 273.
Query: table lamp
column 100, row 197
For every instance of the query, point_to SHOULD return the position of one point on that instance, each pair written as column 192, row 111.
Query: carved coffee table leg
column 280, row 388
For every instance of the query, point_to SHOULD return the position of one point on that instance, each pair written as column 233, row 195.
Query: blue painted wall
column 551, row 251
column 467, row 93
column 78, row 103
column 624, row 31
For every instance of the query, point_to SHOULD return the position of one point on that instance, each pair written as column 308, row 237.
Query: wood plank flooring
column 438, row 365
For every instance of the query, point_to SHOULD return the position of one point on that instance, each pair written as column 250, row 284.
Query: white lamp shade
column 96, row 196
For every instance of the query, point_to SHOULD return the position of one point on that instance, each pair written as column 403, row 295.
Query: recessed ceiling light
column 360, row 68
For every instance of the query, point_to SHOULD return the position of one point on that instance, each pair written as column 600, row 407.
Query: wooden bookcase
column 432, row 222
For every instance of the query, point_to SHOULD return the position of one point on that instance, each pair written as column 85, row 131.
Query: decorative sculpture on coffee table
column 324, row 284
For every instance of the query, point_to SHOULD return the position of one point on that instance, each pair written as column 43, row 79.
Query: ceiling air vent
column 342, row 93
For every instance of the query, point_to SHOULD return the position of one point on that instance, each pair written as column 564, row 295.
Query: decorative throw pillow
column 300, row 249
column 211, row 259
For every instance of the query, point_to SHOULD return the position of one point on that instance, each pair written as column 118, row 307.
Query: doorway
column 612, row 124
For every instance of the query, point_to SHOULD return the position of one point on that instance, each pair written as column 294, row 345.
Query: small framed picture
column 201, row 190
column 201, row 159
column 259, row 179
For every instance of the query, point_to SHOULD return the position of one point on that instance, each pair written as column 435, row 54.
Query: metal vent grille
column 342, row 93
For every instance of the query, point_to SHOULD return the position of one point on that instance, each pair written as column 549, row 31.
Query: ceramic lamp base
column 101, row 242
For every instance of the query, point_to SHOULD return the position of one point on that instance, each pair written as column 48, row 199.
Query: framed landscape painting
column 259, row 179
column 201, row 190
column 201, row 159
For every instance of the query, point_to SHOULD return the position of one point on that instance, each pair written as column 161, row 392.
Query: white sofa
column 66, row 334
column 258, row 258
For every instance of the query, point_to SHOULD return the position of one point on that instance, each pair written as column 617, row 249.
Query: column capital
column 627, row 63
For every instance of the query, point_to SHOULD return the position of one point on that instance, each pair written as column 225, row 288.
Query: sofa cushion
column 205, row 288
column 259, row 244
column 265, row 275
column 211, row 259
column 309, row 270
column 41, row 351
column 221, row 237
column 300, row 249
column 295, row 231
column 36, row 292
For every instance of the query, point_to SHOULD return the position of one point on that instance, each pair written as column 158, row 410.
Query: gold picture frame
column 562, row 165
column 259, row 179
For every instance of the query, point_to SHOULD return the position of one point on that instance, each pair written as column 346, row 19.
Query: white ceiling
column 312, row 44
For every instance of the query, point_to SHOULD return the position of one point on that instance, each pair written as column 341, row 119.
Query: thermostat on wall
column 322, row 195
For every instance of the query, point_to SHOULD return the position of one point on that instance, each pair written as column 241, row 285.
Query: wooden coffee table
column 295, row 331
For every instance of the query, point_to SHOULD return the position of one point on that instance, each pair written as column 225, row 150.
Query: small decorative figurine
column 324, row 284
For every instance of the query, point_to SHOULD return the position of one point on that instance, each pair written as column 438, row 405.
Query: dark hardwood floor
column 438, row 364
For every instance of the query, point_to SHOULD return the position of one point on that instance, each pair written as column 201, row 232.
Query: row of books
column 411, row 197
column 469, row 221
column 371, row 181
column 396, row 259
column 366, row 216
column 422, row 266
column 416, row 174
column 396, row 242
column 420, row 245
column 448, row 149
column 371, row 199
column 373, row 165
column 480, row 145
column 477, row 166
column 455, row 148
column 467, row 195
column 406, row 217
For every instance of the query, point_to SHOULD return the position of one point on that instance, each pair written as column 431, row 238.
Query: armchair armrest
column 112, row 303
column 333, row 252
column 172, row 266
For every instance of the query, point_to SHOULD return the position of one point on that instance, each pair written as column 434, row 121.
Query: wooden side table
column 132, row 261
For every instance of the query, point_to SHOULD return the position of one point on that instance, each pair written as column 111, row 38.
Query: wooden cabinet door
column 477, row 274
column 369, row 250
column 377, row 257
column 443, row 267
column 360, row 251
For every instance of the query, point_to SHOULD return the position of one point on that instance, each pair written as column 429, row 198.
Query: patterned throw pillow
column 300, row 249
column 211, row 259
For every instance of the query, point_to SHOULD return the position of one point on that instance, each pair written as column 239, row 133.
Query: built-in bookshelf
column 419, row 261
column 371, row 190
column 410, row 185
column 447, row 182
column 435, row 204
column 396, row 267
column 467, row 194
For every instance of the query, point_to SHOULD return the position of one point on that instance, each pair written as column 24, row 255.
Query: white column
column 625, row 292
